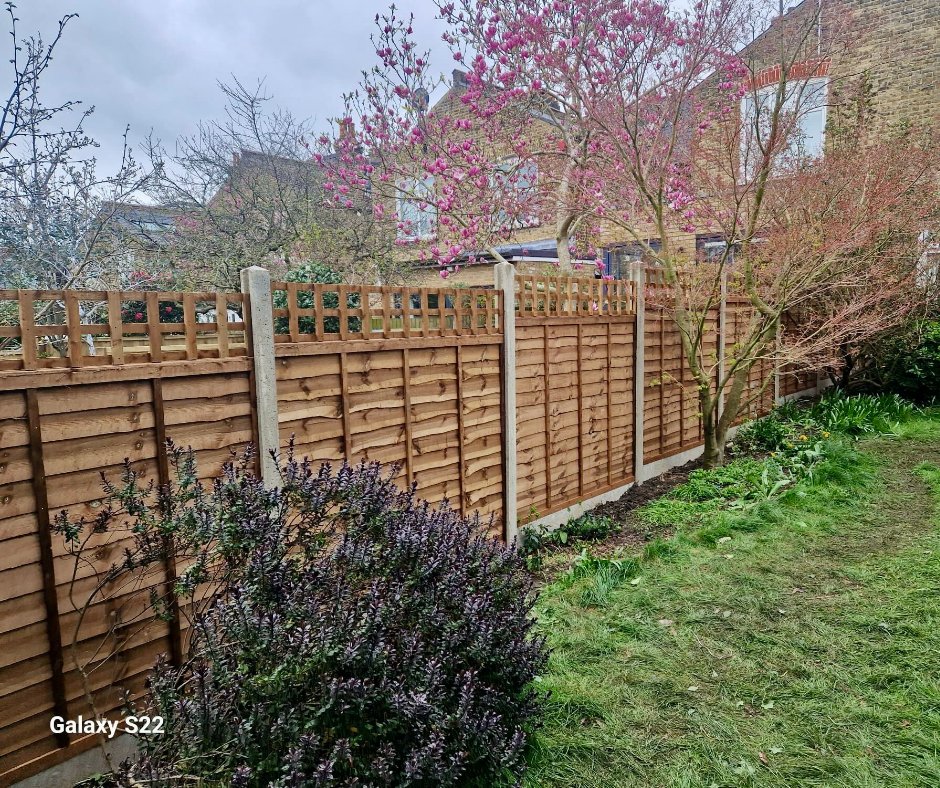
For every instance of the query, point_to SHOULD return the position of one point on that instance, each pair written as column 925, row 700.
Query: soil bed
column 630, row 532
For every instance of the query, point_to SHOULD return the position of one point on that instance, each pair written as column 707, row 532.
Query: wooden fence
column 89, row 379
column 412, row 376
column 574, row 387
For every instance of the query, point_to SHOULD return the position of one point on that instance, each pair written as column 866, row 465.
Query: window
column 620, row 258
column 711, row 248
column 803, row 115
column 516, row 183
column 415, row 211
column 434, row 302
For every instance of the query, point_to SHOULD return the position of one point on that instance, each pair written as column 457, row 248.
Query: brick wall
column 899, row 45
column 893, row 42
column 482, row 275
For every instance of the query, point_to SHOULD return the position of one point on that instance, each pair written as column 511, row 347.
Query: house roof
column 541, row 250
column 148, row 224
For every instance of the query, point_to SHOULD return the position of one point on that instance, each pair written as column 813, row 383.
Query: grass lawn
column 804, row 650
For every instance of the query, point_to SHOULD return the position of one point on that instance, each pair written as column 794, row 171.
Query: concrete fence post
column 638, row 275
column 722, row 336
column 256, row 284
column 777, row 397
column 505, row 282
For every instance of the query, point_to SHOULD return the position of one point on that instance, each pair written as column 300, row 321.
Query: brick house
column 889, row 47
column 531, row 247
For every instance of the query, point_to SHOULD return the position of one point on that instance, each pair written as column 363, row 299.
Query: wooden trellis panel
column 557, row 296
column 312, row 312
column 82, row 328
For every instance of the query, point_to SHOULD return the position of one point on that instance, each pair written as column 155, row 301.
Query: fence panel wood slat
column 163, row 474
column 27, row 329
column 50, row 596
column 115, row 328
column 73, row 321
column 153, row 326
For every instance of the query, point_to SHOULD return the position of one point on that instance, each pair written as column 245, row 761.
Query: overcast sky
column 155, row 64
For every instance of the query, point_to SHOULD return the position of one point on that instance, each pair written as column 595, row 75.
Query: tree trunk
column 713, row 454
column 715, row 429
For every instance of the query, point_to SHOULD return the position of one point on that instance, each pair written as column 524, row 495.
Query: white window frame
column 420, row 223
column 807, row 98
column 504, row 168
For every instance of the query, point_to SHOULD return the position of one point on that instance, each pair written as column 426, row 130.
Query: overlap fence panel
column 59, row 432
column 574, row 388
column 758, row 396
column 672, row 416
column 420, row 390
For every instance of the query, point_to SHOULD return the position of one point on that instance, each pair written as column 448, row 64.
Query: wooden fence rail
column 596, row 389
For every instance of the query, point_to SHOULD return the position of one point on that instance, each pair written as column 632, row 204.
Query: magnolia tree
column 521, row 142
column 491, row 160
column 643, row 121
column 603, row 66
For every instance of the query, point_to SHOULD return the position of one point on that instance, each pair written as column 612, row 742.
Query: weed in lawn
column 676, row 514
column 930, row 474
column 741, row 484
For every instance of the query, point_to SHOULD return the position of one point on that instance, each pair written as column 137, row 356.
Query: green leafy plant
column 136, row 312
column 729, row 482
column 316, row 273
column 742, row 484
column 763, row 435
column 536, row 540
column 669, row 512
column 906, row 362
column 861, row 414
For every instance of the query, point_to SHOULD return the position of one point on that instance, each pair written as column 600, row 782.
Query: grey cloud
column 155, row 65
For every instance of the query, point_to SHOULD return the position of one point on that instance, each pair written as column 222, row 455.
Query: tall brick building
column 894, row 43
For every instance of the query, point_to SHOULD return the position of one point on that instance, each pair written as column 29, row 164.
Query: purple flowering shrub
column 356, row 636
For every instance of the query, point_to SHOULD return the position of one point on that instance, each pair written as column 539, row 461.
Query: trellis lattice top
column 310, row 312
column 43, row 329
column 560, row 296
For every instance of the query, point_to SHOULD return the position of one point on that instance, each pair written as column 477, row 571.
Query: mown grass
column 796, row 643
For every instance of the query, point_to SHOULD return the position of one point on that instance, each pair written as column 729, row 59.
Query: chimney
column 459, row 78
column 347, row 130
